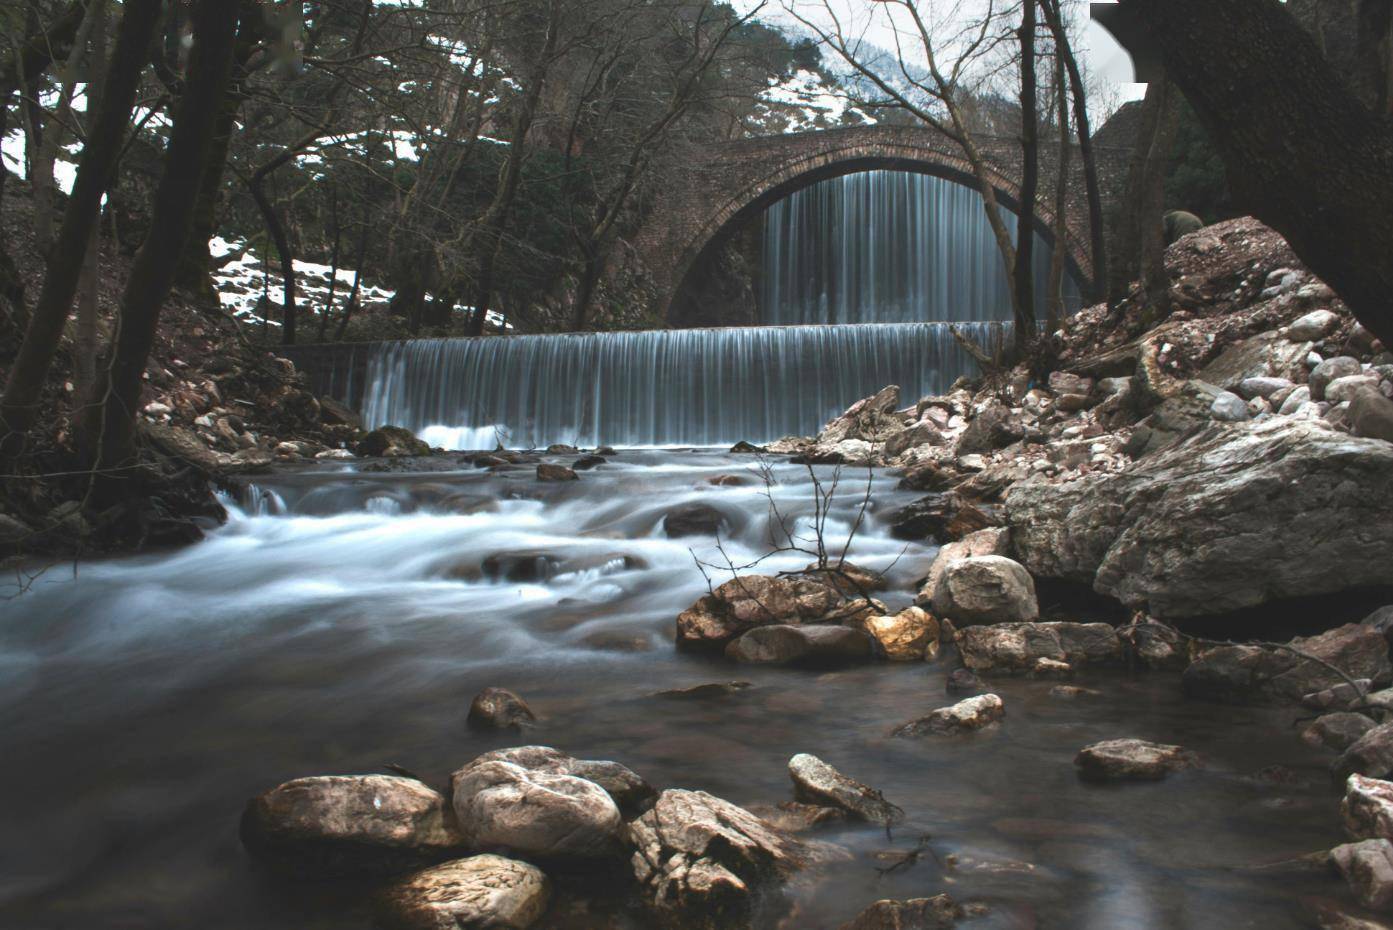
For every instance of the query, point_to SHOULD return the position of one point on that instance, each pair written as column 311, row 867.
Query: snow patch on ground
column 243, row 282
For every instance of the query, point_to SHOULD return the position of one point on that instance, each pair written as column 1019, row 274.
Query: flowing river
column 342, row 620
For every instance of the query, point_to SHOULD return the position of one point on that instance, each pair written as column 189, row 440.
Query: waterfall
column 665, row 387
column 889, row 247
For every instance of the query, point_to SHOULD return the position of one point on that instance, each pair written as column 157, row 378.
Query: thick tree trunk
column 85, row 338
column 1154, row 277
column 20, row 403
column 194, row 262
column 1096, row 223
column 1024, row 271
column 1303, row 155
column 110, row 427
column 1125, row 264
column 1054, row 313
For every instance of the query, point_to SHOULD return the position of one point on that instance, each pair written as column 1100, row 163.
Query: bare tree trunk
column 41, row 181
column 495, row 218
column 1055, row 310
column 257, row 186
column 351, row 304
column 1125, row 266
column 1155, row 279
column 109, row 428
column 1303, row 155
column 20, row 403
column 194, row 270
column 333, row 262
column 1096, row 222
column 1024, row 270
column 85, row 339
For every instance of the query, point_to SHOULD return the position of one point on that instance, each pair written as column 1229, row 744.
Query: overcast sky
column 1104, row 57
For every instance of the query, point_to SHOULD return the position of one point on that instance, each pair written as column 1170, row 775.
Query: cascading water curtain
column 667, row 387
column 889, row 247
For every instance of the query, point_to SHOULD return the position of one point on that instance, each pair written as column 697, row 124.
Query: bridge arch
column 728, row 185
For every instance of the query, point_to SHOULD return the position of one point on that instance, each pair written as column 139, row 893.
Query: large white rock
column 1367, row 808
column 706, row 864
column 985, row 589
column 1235, row 516
column 337, row 825
column 481, row 891
column 1368, row 868
column 541, row 814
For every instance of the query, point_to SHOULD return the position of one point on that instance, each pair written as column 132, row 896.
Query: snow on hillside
column 806, row 100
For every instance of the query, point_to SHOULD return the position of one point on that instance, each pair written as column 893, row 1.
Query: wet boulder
column 695, row 519
column 1231, row 517
column 1337, row 731
column 1368, row 870
column 984, row 590
column 539, row 813
column 1132, row 760
column 346, row 825
column 587, row 462
column 993, row 541
column 1371, row 755
column 631, row 793
column 1247, row 673
column 945, row 517
column 995, row 427
column 1371, row 415
column 908, row 636
column 750, row 601
column 963, row 681
column 1367, row 808
column 1331, row 370
column 937, row 913
column 1313, row 326
column 816, row 782
column 821, row 646
column 974, row 713
column 547, row 471
column 481, row 891
column 1014, row 648
column 871, row 419
column 922, row 433
column 705, row 864
column 390, row 442
column 499, row 709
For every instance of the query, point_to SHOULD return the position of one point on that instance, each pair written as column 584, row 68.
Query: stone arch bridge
column 727, row 183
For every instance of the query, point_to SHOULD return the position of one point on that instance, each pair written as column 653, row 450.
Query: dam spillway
column 696, row 387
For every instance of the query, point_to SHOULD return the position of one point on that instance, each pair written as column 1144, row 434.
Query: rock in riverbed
column 1337, row 731
column 694, row 519
column 751, row 601
column 538, row 812
column 1132, row 760
column 1255, row 673
column 975, row 713
column 1014, row 648
column 912, row 635
column 342, row 825
column 1368, row 868
column 816, row 782
column 985, row 589
column 629, row 790
column 705, row 864
column 1234, row 516
column 937, row 913
column 481, row 891
column 499, row 709
column 824, row 646
column 1367, row 808
column 549, row 472
column 1371, row 755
